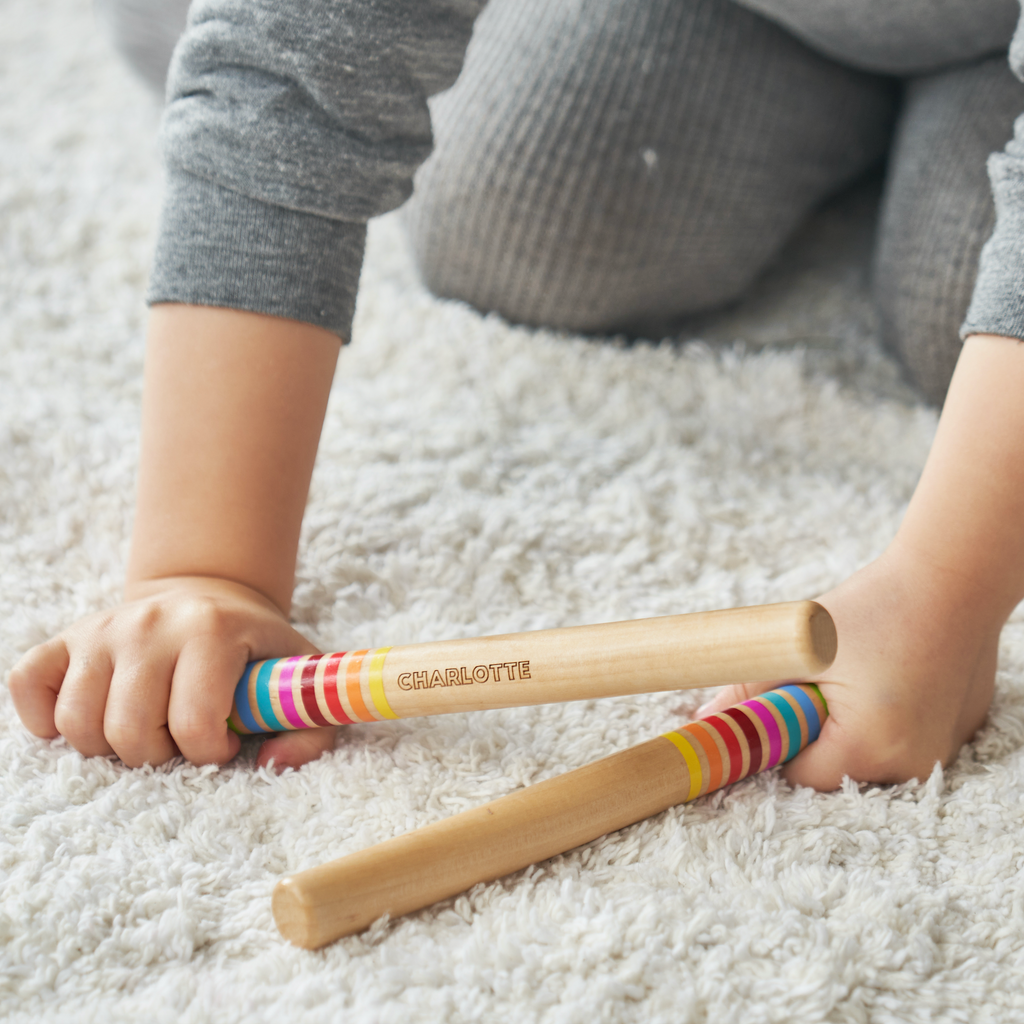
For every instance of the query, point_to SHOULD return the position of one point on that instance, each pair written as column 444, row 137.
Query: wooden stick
column 414, row 870
column 677, row 652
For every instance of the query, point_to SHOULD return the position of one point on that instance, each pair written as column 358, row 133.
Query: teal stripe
column 263, row 696
column 789, row 717
column 810, row 711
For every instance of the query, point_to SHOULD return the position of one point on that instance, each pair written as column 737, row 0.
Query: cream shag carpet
column 474, row 478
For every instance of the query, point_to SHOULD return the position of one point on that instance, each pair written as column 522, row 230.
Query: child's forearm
column 966, row 518
column 232, row 411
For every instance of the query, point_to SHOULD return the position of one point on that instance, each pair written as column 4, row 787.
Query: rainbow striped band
column 750, row 737
column 314, row 689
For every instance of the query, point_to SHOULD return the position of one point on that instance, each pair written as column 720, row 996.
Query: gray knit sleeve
column 997, row 306
column 289, row 123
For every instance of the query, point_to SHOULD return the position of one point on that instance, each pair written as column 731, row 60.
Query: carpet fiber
column 473, row 478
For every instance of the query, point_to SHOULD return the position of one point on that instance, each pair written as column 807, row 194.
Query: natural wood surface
column 796, row 640
column 674, row 652
column 447, row 857
column 429, row 864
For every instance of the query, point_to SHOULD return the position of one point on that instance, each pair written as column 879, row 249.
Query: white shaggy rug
column 507, row 479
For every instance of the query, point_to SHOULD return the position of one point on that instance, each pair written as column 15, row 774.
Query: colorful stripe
column 764, row 710
column 376, row 682
column 263, row 703
column 241, row 713
column 751, row 737
column 738, row 758
column 354, row 689
column 755, row 735
column 327, row 685
column 797, row 731
column 706, row 738
column 685, row 747
column 285, row 697
column 307, row 691
column 814, row 719
column 311, row 690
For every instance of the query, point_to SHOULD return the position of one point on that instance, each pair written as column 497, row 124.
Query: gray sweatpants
column 618, row 165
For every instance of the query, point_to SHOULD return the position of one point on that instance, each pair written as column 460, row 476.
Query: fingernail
column 704, row 709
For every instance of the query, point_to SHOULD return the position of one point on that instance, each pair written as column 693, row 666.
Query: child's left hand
column 912, row 680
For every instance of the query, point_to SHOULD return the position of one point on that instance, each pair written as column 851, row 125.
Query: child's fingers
column 34, row 683
column 135, row 719
column 78, row 714
column 294, row 749
column 729, row 695
column 202, row 689
column 823, row 764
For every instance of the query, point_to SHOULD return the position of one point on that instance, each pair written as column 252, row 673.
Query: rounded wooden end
column 294, row 916
column 824, row 641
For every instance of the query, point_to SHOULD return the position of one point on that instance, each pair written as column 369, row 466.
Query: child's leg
column 145, row 32
column 897, row 37
column 617, row 165
column 938, row 212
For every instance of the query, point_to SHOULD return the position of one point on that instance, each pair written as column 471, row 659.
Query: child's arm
column 919, row 627
column 232, row 410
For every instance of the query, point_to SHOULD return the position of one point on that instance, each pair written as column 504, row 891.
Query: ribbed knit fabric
column 897, row 37
column 938, row 212
column 600, row 166
column 618, row 164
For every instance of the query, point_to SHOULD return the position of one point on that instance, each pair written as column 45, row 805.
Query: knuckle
column 205, row 615
column 122, row 732
column 66, row 720
column 198, row 738
column 21, row 680
column 147, row 616
column 192, row 734
column 87, row 740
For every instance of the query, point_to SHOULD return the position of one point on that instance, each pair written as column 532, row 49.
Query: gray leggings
column 618, row 165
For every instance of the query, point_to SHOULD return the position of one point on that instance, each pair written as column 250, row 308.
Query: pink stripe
column 284, row 693
column 772, row 728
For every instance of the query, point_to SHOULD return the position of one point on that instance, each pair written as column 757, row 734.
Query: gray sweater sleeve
column 289, row 124
column 997, row 306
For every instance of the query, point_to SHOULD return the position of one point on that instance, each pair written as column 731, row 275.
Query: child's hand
column 912, row 681
column 155, row 677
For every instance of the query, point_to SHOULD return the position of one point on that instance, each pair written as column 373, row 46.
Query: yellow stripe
column 683, row 745
column 376, row 682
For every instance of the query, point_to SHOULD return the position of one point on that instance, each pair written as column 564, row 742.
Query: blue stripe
column 242, row 701
column 789, row 717
column 810, row 711
column 263, row 696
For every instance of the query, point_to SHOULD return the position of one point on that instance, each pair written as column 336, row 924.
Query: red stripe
column 752, row 735
column 731, row 744
column 307, row 687
column 331, row 688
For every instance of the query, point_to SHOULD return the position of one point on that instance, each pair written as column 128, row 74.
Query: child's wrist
column 140, row 588
column 945, row 591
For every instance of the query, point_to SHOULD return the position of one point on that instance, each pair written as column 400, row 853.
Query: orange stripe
column 353, row 688
column 700, row 730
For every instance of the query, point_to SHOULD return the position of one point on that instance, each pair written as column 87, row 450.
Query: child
column 600, row 167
